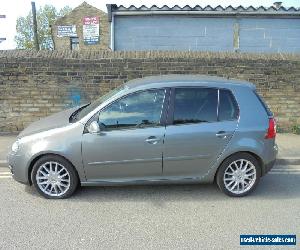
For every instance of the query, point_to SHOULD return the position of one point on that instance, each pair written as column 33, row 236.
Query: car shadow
column 270, row 187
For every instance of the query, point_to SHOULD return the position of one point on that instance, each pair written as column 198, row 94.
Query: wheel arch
column 257, row 157
column 37, row 157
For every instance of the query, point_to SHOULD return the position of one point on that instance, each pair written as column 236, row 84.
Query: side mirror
column 94, row 128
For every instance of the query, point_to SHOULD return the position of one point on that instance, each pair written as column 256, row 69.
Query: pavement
column 152, row 217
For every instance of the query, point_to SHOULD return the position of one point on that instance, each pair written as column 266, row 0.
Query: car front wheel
column 239, row 175
column 54, row 177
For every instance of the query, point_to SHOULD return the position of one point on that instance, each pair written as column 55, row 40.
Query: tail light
column 271, row 133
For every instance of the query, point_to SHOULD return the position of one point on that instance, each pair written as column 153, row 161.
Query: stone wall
column 34, row 85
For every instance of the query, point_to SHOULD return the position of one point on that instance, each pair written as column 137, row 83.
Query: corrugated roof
column 208, row 8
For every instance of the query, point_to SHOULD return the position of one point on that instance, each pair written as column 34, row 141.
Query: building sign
column 91, row 30
column 66, row 30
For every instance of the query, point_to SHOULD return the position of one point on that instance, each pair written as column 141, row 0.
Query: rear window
column 269, row 112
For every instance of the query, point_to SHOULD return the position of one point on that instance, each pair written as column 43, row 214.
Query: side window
column 195, row 105
column 140, row 109
column 228, row 109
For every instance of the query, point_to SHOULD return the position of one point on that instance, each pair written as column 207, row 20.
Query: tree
column 46, row 16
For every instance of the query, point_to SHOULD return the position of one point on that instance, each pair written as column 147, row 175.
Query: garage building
column 275, row 29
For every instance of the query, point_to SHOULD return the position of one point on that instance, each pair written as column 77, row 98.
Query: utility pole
column 35, row 34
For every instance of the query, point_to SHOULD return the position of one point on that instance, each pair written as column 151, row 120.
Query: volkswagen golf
column 154, row 130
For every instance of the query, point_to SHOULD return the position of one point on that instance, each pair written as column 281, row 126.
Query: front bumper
column 18, row 168
column 11, row 169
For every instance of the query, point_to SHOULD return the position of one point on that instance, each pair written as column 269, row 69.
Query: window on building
column 74, row 42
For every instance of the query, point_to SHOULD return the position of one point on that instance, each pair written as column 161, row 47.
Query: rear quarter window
column 228, row 109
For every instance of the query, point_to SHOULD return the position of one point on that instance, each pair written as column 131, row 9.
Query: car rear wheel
column 54, row 177
column 239, row 175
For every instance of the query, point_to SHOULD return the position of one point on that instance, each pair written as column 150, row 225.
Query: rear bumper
column 270, row 164
column 268, row 167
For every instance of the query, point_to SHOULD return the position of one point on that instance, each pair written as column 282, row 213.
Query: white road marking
column 290, row 158
column 286, row 167
column 286, row 170
column 296, row 173
column 281, row 169
column 5, row 173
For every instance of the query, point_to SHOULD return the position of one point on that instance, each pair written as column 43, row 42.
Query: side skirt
column 127, row 182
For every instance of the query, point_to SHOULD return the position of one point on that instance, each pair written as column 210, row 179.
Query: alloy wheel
column 239, row 176
column 53, row 178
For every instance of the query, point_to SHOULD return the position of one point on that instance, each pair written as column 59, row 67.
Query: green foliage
column 46, row 16
column 279, row 129
column 296, row 129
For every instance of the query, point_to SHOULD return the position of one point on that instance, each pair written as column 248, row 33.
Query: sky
column 15, row 8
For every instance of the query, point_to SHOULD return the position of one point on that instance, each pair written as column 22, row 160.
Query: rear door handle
column 152, row 140
column 222, row 134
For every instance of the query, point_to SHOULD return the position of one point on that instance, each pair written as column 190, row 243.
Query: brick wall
column 34, row 85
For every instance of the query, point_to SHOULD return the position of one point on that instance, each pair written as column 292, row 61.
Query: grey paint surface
column 269, row 35
column 118, row 157
column 173, row 33
column 196, row 33
column 199, row 146
column 123, row 156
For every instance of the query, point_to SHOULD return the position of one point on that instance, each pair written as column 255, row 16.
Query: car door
column 201, row 124
column 130, row 143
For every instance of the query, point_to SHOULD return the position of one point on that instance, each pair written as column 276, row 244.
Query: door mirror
column 94, row 128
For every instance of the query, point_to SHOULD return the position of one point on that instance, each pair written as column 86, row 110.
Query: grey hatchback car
column 154, row 130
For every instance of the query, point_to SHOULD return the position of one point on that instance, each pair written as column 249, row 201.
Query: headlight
column 15, row 146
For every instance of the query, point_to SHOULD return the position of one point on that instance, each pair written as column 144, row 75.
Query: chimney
column 277, row 5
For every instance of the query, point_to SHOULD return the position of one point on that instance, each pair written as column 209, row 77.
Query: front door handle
column 222, row 134
column 152, row 140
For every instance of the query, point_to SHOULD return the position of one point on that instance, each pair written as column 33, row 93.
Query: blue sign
column 268, row 239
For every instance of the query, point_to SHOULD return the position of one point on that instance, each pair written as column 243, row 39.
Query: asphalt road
column 149, row 217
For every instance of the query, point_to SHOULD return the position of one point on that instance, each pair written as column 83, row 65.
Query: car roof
column 161, row 81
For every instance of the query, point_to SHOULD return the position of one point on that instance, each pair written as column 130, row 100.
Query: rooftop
column 206, row 10
column 77, row 9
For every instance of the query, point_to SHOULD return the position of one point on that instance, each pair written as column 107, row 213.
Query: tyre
column 238, row 175
column 54, row 177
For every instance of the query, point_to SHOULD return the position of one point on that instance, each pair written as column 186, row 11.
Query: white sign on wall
column 66, row 31
column 91, row 30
